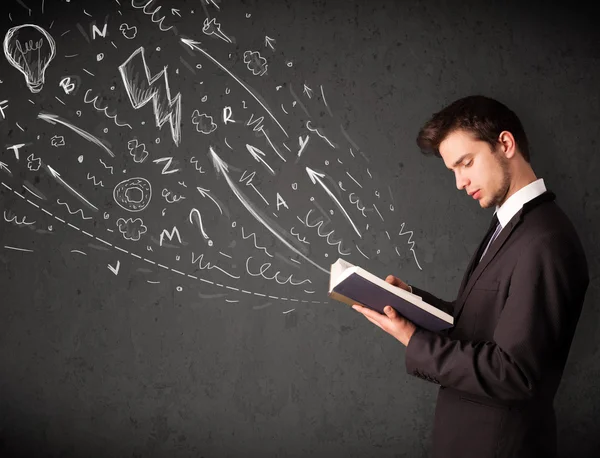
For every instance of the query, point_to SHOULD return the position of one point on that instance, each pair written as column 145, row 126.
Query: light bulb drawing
column 29, row 49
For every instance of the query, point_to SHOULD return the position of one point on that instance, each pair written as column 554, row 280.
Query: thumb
column 389, row 311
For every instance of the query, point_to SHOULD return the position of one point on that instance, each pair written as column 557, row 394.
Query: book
column 352, row 284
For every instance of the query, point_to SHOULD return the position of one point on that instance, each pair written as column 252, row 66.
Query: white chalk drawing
column 222, row 168
column 205, row 193
column 79, row 210
column 4, row 167
column 302, row 144
column 409, row 242
column 33, row 163
column 297, row 235
column 170, row 235
column 227, row 115
column 33, row 190
column 93, row 179
column 8, row 247
column 145, row 7
column 255, row 62
column 253, row 234
column 204, row 123
column 258, row 157
column 94, row 103
column 175, row 12
column 16, row 149
column 67, row 85
column 137, row 151
column 128, row 32
column 3, row 106
column 212, row 27
column 247, row 179
column 319, row 223
column 57, row 141
column 115, row 269
column 194, row 45
column 53, row 119
column 281, row 201
column 308, row 91
column 196, row 219
column 194, row 161
column 142, row 87
column 109, row 167
column 133, row 194
column 359, row 206
column 317, row 177
column 97, row 31
column 210, row 266
column 12, row 218
column 265, row 267
column 166, row 169
column 269, row 42
column 319, row 134
column 170, row 197
column 131, row 229
column 54, row 174
column 30, row 49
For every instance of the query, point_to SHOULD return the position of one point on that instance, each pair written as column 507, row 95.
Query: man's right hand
column 397, row 282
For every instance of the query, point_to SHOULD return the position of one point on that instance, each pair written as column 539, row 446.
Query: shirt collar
column 515, row 202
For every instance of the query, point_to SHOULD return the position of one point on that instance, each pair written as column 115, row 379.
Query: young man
column 517, row 308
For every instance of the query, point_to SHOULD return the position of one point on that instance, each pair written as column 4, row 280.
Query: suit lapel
column 470, row 280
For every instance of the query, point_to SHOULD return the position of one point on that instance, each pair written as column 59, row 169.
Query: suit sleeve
column 441, row 304
column 536, row 325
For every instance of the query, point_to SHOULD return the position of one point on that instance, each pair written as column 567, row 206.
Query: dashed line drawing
column 79, row 210
column 53, row 119
column 142, row 87
column 212, row 27
column 94, row 103
column 136, row 203
column 30, row 58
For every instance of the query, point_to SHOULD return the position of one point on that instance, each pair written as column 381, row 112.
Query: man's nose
column 461, row 181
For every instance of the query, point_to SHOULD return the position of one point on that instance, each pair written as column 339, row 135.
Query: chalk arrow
column 195, row 46
column 4, row 167
column 57, row 177
column 317, row 177
column 204, row 193
column 115, row 270
column 258, row 156
column 175, row 11
column 222, row 168
column 269, row 42
column 308, row 91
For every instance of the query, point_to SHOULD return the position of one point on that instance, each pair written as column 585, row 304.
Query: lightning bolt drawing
column 142, row 87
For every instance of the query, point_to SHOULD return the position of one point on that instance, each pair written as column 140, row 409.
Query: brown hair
column 482, row 116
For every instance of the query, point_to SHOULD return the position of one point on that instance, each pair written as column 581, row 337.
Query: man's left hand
column 392, row 322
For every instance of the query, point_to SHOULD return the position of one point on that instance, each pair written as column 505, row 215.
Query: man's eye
column 467, row 164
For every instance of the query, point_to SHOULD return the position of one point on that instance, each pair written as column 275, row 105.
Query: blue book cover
column 354, row 285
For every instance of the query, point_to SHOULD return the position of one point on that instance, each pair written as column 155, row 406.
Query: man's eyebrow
column 459, row 160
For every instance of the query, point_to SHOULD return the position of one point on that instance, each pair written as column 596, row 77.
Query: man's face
column 478, row 169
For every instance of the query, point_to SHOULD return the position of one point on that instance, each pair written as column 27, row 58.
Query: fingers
column 392, row 280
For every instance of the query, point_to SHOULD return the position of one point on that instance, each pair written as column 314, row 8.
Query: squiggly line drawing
column 358, row 206
column 93, row 178
column 255, row 245
column 319, row 134
column 318, row 225
column 16, row 221
column 94, row 101
column 194, row 161
column 174, row 199
column 106, row 166
column 303, row 239
column 410, row 242
column 146, row 11
column 266, row 266
column 79, row 210
column 208, row 265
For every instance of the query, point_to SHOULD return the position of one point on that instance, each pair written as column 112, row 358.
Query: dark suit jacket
column 515, row 316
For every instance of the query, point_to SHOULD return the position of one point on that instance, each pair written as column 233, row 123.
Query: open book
column 353, row 285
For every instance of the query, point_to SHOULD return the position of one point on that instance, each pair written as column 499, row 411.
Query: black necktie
column 490, row 232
